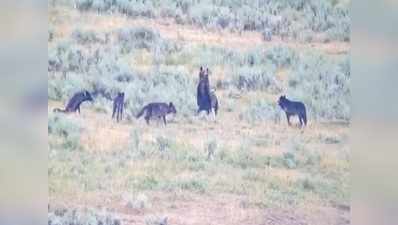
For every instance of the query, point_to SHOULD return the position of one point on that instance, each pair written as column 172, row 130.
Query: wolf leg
column 288, row 119
column 164, row 120
column 213, row 113
column 147, row 116
column 114, row 111
column 301, row 121
column 119, row 113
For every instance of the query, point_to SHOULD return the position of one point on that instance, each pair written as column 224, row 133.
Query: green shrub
column 165, row 85
column 140, row 201
column 278, row 17
column 89, row 37
column 262, row 111
column 322, row 84
column 83, row 4
column 163, row 144
column 281, row 56
column 194, row 184
column 202, row 14
column 65, row 128
column 63, row 89
column 67, row 57
column 297, row 156
column 82, row 217
column 156, row 220
column 137, row 38
column 289, row 160
column 255, row 78
column 103, row 105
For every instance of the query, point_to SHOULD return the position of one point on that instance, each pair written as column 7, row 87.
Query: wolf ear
column 201, row 68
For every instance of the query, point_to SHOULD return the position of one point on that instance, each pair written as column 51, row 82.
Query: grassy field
column 247, row 167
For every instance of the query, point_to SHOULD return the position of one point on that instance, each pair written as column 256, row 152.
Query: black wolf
column 203, row 97
column 75, row 102
column 157, row 110
column 293, row 108
column 118, row 104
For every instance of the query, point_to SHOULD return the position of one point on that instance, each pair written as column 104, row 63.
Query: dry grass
column 188, row 209
column 102, row 136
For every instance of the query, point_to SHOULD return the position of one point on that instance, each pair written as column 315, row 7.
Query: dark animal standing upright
column 118, row 104
column 293, row 108
column 205, row 99
column 203, row 92
column 75, row 102
column 157, row 110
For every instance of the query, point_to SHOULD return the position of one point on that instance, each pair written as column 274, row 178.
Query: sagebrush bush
column 67, row 129
column 89, row 37
column 323, row 84
column 256, row 78
column 155, row 220
column 277, row 17
column 60, row 88
column 137, row 37
column 139, row 201
column 82, row 217
column 67, row 57
column 261, row 110
column 297, row 156
column 165, row 85
column 319, row 81
column 163, row 143
column 282, row 56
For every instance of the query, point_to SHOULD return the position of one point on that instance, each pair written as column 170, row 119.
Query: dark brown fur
column 118, row 106
column 157, row 110
column 75, row 102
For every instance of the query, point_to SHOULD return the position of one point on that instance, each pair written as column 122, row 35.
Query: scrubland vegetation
column 248, row 160
column 171, row 69
column 301, row 20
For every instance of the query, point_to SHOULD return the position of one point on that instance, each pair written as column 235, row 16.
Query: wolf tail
column 58, row 110
column 141, row 112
